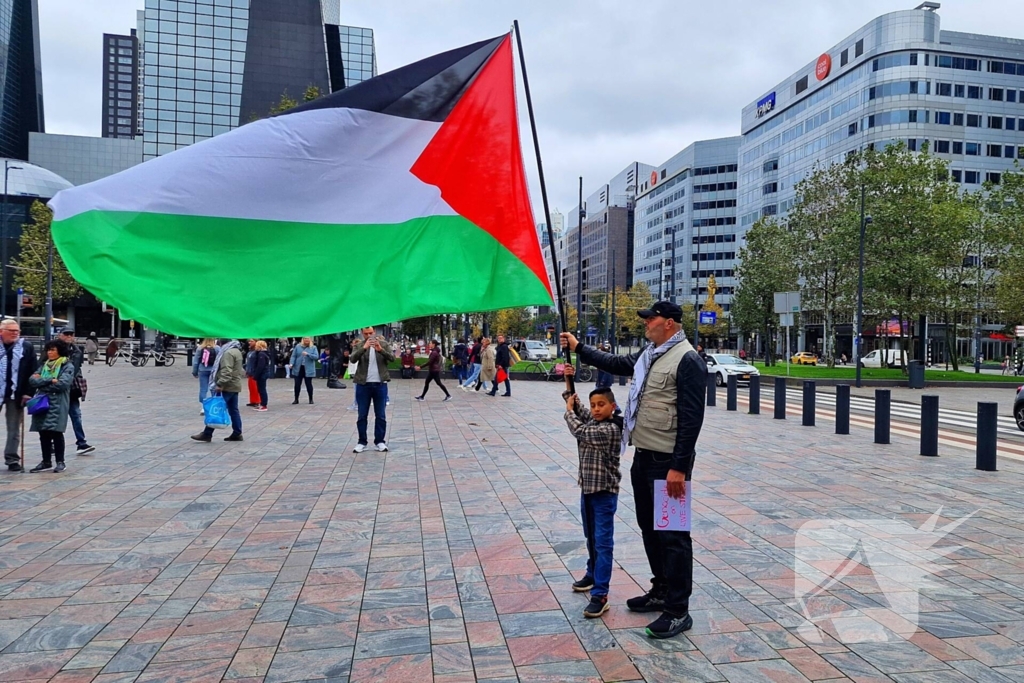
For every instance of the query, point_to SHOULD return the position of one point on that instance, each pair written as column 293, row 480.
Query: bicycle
column 553, row 372
column 128, row 354
column 165, row 357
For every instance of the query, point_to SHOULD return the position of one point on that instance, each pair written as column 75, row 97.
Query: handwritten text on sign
column 670, row 514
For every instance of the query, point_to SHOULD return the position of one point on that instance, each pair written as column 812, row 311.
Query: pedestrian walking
column 303, row 362
column 202, row 365
column 92, row 348
column 503, row 362
column 111, row 350
column 76, row 356
column 488, row 366
column 371, row 359
column 460, row 354
column 434, row 372
column 473, row 363
column 228, row 373
column 262, row 370
column 250, row 370
column 598, row 433
column 663, row 418
column 325, row 362
column 53, row 381
column 17, row 363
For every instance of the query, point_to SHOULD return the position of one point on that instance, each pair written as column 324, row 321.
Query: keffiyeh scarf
column 16, row 352
column 220, row 355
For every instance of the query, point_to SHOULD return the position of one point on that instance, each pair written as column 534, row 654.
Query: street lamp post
column 615, row 333
column 857, row 339
column 579, row 272
column 48, row 334
column 977, row 313
column 672, row 295
column 3, row 240
column 696, row 295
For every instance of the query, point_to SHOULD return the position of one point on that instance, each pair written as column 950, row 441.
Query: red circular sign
column 823, row 67
column 654, row 177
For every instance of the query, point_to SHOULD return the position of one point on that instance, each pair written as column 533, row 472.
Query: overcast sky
column 613, row 81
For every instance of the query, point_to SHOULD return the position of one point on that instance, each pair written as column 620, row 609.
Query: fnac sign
column 654, row 178
column 766, row 105
column 824, row 67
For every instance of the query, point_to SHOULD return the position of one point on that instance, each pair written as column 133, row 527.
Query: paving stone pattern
column 288, row 558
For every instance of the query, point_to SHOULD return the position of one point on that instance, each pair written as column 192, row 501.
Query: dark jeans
column 670, row 553
column 261, row 388
column 298, row 383
column 53, row 445
column 231, row 398
column 365, row 393
column 598, row 511
column 435, row 376
column 604, row 380
column 508, row 385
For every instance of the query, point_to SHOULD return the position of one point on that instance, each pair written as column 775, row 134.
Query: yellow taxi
column 804, row 358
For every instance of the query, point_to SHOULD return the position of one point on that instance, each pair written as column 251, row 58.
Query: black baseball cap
column 68, row 331
column 664, row 309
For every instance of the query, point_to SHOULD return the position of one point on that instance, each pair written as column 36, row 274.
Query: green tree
column 30, row 265
column 766, row 266
column 513, row 322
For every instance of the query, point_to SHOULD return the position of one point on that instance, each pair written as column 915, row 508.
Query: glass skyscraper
column 212, row 65
column 21, row 80
column 120, row 86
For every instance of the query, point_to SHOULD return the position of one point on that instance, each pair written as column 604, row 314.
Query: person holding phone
column 371, row 358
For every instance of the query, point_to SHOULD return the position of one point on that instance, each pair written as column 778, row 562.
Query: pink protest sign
column 670, row 514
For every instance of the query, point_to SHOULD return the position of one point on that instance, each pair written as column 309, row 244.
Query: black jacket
column 691, row 393
column 76, row 355
column 25, row 369
column 460, row 354
column 502, row 358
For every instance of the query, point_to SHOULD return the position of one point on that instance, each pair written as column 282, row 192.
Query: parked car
column 723, row 365
column 1018, row 408
column 532, row 349
column 874, row 359
column 804, row 358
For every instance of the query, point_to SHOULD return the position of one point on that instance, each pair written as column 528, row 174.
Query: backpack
column 207, row 357
column 79, row 387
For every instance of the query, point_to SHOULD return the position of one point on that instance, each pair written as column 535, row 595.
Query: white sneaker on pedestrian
column 360, row 447
column 382, row 447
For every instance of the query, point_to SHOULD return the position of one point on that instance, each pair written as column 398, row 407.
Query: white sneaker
column 360, row 447
column 382, row 447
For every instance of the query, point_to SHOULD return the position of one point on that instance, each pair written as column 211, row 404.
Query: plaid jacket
column 599, row 444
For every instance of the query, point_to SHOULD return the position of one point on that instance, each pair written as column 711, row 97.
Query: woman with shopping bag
column 228, row 374
column 50, row 406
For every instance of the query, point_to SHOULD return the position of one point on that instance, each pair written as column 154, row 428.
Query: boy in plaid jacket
column 598, row 432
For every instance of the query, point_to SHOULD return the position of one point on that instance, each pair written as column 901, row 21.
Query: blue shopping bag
column 215, row 410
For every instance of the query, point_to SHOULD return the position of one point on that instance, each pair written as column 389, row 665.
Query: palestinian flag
column 401, row 196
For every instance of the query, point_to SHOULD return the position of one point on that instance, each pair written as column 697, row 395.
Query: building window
column 958, row 119
column 770, row 188
column 912, row 144
column 958, row 90
column 994, row 178
column 958, row 176
column 958, row 148
column 851, row 129
column 974, row 92
column 770, row 210
column 994, row 150
column 1011, row 95
column 945, row 89
column 972, row 149
column 995, row 122
column 995, row 94
column 1008, row 151
column 1011, row 123
column 770, row 165
column 844, row 57
column 801, row 85
column 942, row 146
column 974, row 120
column 971, row 177
column 943, row 117
column 858, row 49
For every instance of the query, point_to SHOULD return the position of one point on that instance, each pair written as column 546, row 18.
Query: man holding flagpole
column 663, row 418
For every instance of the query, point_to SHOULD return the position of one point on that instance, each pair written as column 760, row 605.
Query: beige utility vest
column 656, row 420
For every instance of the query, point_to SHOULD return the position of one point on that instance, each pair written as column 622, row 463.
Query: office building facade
column 21, row 78
column 81, row 159
column 121, row 69
column 900, row 77
column 213, row 65
column 689, row 202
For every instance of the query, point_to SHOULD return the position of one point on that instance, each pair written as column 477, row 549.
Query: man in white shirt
column 371, row 358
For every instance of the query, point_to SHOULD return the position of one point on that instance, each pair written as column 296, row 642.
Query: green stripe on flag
column 287, row 279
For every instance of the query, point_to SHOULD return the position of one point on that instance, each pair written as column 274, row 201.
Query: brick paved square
column 287, row 557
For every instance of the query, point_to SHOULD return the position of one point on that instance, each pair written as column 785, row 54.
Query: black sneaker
column 41, row 467
column 652, row 601
column 84, row 449
column 598, row 606
column 583, row 585
column 14, row 467
column 60, row 467
column 669, row 625
column 234, row 437
column 201, row 436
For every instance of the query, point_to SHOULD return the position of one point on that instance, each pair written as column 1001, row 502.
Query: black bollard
column 842, row 409
column 929, row 425
column 754, row 395
column 808, row 417
column 780, row 398
column 988, row 420
column 712, row 389
column 882, row 415
column 730, row 393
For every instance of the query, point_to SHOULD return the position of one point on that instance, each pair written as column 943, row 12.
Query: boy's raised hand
column 570, row 403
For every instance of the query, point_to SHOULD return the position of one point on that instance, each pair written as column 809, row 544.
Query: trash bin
column 916, row 370
column 188, row 355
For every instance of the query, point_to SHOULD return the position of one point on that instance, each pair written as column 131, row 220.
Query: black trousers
column 53, row 445
column 298, row 377
column 670, row 553
column 434, row 375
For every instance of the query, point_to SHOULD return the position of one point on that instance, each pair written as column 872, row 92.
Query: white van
column 874, row 359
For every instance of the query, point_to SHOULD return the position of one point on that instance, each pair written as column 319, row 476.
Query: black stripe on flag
column 426, row 90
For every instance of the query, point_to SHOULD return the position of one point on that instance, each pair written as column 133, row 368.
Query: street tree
column 29, row 267
column 766, row 266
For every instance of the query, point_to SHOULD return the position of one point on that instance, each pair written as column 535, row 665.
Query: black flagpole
column 544, row 197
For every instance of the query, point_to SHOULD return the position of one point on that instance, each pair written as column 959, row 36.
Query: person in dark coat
column 460, row 354
column 434, row 372
column 262, row 370
column 53, row 379
column 502, row 361
column 17, row 363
